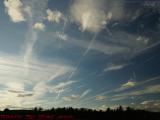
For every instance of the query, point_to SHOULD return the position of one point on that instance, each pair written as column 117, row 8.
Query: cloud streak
column 76, row 97
column 113, row 67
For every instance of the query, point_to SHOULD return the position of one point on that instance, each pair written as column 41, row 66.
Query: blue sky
column 80, row 53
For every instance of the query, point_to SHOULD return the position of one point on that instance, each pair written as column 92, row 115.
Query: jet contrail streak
column 90, row 45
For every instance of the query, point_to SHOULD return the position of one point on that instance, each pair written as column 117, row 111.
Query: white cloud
column 62, row 36
column 90, row 15
column 118, row 98
column 17, row 84
column 147, row 102
column 103, row 107
column 61, row 86
column 143, row 40
column 54, row 16
column 108, row 49
column 152, row 105
column 147, row 90
column 112, row 67
column 76, row 97
column 39, row 26
column 40, row 89
column 100, row 97
column 14, row 10
column 129, row 84
column 71, row 98
column 125, row 94
column 85, row 93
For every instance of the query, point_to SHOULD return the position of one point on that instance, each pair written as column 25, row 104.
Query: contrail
column 33, row 15
column 134, row 75
column 31, row 39
column 70, row 76
column 90, row 45
column 79, row 62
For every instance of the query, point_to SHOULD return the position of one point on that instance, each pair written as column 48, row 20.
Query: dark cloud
column 25, row 95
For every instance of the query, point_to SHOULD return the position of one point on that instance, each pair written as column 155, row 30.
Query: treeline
column 70, row 113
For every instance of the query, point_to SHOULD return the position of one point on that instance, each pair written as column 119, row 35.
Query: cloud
column 90, row 15
column 15, row 91
column 123, row 95
column 14, row 86
column 33, row 13
column 100, row 97
column 71, row 98
column 152, row 89
column 108, row 49
column 39, row 26
column 54, row 16
column 143, row 40
column 14, row 10
column 38, row 91
column 85, row 93
column 112, row 67
column 30, row 11
column 76, row 97
column 17, row 86
column 61, row 36
column 103, row 107
column 147, row 102
column 152, row 105
column 118, row 98
column 129, row 84
column 25, row 95
column 127, row 47
column 47, row 88
column 61, row 86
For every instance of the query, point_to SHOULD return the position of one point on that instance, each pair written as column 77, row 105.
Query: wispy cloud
column 38, row 8
column 59, row 87
column 100, row 97
column 76, row 97
column 147, row 102
column 108, row 49
column 151, row 104
column 71, row 98
column 16, row 85
column 127, row 85
column 85, row 93
column 152, row 89
column 125, row 94
column 33, row 13
column 25, row 95
column 112, row 67
column 103, row 107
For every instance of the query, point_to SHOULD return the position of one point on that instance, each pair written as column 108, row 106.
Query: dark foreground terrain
column 78, row 114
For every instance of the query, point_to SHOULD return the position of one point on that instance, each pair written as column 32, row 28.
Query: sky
column 80, row 53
